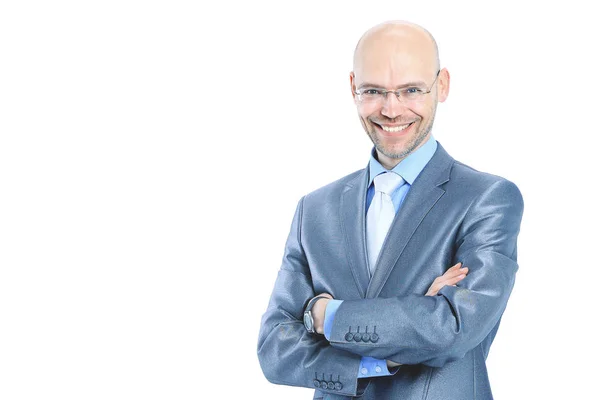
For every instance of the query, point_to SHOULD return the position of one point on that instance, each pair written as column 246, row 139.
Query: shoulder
column 463, row 182
column 331, row 192
column 465, row 174
column 474, row 184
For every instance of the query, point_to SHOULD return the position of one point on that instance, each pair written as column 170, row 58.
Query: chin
column 394, row 153
column 391, row 150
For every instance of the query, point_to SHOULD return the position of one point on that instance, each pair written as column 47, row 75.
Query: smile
column 394, row 129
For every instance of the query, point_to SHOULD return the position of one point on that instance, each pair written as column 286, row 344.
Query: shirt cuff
column 370, row 367
column 330, row 311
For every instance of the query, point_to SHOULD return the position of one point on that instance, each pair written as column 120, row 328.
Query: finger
column 433, row 290
column 454, row 280
column 461, row 271
column 451, row 274
column 436, row 287
column 456, row 272
column 457, row 279
column 454, row 267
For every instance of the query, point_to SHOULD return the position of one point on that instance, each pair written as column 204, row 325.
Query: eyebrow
column 404, row 85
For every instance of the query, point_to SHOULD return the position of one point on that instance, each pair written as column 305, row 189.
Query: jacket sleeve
column 434, row 330
column 287, row 353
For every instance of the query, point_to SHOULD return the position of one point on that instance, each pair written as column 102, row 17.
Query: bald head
column 402, row 58
column 397, row 39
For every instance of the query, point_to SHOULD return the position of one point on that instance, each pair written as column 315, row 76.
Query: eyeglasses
column 411, row 94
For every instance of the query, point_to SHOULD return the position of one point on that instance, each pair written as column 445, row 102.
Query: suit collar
column 423, row 195
column 352, row 217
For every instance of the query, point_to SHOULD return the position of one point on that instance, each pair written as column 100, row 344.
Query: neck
column 388, row 162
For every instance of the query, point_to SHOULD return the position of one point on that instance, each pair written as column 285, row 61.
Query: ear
column 443, row 85
column 352, row 85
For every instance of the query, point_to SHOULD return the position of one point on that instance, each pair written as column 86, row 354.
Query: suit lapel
column 352, row 217
column 422, row 196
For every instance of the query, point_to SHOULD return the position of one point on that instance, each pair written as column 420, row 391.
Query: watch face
column 308, row 324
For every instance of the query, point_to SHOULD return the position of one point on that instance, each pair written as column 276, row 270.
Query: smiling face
column 392, row 57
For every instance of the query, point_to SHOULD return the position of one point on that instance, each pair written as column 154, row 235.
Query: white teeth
column 395, row 128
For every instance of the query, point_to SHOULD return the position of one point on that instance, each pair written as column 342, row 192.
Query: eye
column 413, row 91
column 371, row 92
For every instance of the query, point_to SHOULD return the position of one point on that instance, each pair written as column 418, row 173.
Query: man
column 363, row 251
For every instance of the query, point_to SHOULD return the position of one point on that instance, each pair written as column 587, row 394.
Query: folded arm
column 287, row 353
column 324, row 312
column 417, row 329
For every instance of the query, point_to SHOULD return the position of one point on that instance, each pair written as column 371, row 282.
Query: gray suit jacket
column 451, row 214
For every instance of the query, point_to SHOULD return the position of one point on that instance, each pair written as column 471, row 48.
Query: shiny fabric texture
column 451, row 214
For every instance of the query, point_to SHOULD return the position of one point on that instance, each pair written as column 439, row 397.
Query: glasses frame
column 397, row 92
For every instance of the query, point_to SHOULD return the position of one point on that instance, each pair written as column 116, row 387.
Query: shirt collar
column 410, row 167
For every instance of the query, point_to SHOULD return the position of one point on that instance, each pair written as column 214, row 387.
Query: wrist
column 319, row 314
column 312, row 314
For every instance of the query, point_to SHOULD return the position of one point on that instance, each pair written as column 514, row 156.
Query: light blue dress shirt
column 409, row 169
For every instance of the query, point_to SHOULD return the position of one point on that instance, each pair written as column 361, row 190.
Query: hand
column 318, row 312
column 451, row 277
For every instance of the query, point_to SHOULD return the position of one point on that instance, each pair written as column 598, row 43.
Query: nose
column 392, row 106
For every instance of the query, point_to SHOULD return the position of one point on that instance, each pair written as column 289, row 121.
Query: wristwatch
column 309, row 323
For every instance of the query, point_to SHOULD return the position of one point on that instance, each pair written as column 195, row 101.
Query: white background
column 152, row 154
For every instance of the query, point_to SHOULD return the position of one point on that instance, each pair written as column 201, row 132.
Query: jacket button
column 338, row 386
column 374, row 337
column 357, row 337
column 364, row 371
column 378, row 369
column 366, row 337
column 349, row 337
column 323, row 385
column 317, row 383
column 330, row 385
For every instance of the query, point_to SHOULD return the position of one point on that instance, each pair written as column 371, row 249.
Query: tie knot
column 388, row 182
